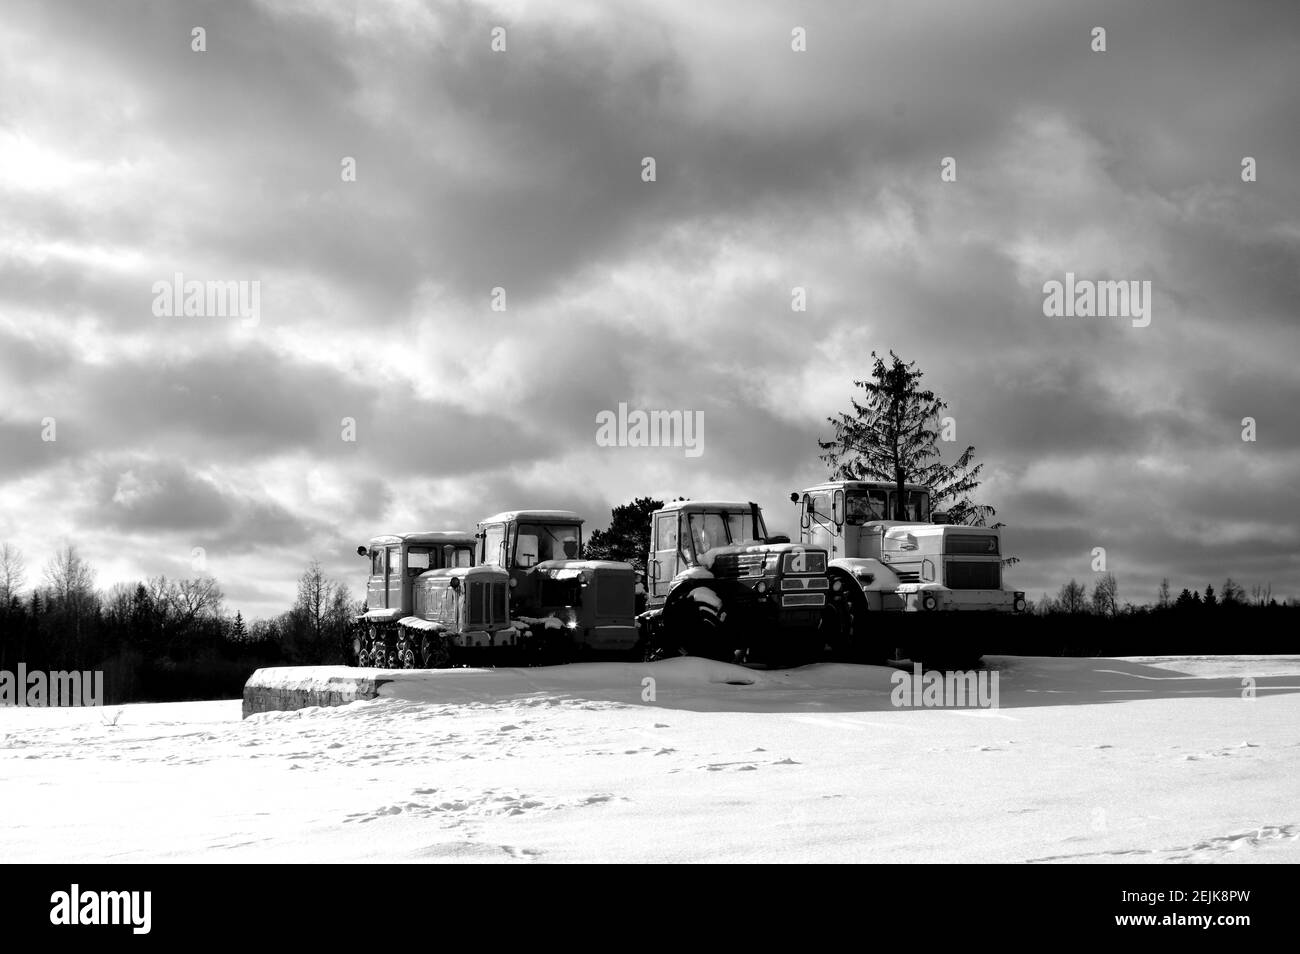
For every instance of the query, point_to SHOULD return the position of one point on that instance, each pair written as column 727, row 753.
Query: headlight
column 930, row 603
column 513, row 581
column 761, row 588
column 1020, row 603
column 837, row 585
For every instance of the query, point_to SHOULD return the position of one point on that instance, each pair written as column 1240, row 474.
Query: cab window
column 457, row 556
column 866, row 506
column 741, row 527
column 418, row 559
column 377, row 562
column 394, row 561
column 493, row 538
column 916, row 507
column 666, row 532
column 708, row 530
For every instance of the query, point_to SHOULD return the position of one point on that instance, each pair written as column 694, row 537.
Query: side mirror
column 837, row 507
column 805, row 513
column 778, row 538
column 362, row 551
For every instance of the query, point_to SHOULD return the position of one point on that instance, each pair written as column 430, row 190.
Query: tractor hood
column 568, row 569
column 932, row 538
column 742, row 549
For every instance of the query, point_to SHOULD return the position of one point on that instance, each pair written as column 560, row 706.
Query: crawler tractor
column 396, row 562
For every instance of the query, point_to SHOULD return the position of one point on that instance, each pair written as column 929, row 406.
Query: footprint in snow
column 521, row 854
column 662, row 725
column 787, row 761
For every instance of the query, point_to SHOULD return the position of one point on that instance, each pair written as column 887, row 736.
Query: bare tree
column 69, row 577
column 179, row 604
column 1072, row 598
column 1163, row 600
column 313, row 599
column 13, row 572
column 1104, row 596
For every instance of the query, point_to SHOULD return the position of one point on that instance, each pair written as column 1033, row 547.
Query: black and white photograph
column 626, row 432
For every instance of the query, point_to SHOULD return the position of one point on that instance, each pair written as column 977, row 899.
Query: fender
column 871, row 575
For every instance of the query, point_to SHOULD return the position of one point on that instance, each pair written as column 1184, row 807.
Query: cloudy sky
column 127, row 157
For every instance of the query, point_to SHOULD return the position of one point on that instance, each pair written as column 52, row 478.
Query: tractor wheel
column 693, row 626
column 433, row 652
column 836, row 629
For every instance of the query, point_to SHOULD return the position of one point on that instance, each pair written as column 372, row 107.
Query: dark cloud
column 125, row 158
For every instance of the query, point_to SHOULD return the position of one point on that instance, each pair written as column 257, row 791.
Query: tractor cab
column 583, row 605
column 397, row 559
column 848, row 517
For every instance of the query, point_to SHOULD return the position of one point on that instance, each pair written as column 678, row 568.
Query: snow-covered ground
column 1153, row 759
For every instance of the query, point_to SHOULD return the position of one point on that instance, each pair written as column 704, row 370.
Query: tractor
column 572, row 608
column 396, row 562
column 462, row 616
column 893, row 555
column 721, row 587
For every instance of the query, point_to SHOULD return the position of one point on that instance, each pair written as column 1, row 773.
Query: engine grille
column 972, row 574
column 805, row 583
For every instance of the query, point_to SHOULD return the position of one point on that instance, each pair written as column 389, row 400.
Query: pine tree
column 238, row 631
column 891, row 435
column 628, row 537
column 1210, row 598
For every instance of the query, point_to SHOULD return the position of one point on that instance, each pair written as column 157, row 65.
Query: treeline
column 1074, row 599
column 160, row 639
column 1098, row 622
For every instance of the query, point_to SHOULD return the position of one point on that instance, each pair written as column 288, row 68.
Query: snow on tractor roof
column 424, row 536
column 863, row 485
column 558, row 516
column 697, row 505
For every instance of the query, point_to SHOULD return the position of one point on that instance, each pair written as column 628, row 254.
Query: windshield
column 709, row 530
column 917, row 506
column 458, row 556
column 538, row 542
column 863, row 506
